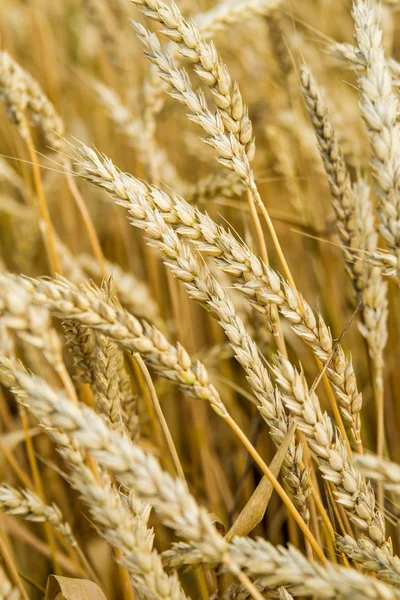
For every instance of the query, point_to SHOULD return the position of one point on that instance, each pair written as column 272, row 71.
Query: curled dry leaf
column 67, row 588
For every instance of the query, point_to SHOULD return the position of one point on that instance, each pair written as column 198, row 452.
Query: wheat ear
column 209, row 23
column 138, row 199
column 272, row 566
column 356, row 228
column 28, row 505
column 355, row 495
column 378, row 560
column 137, row 470
column 379, row 106
column 260, row 283
column 125, row 530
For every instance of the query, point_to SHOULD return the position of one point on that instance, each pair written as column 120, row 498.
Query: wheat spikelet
column 381, row 469
column 357, row 60
column 133, row 294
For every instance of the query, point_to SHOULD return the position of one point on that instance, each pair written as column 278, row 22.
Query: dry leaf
column 67, row 588
column 254, row 511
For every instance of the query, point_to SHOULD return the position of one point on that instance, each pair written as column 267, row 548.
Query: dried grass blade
column 254, row 511
column 67, row 588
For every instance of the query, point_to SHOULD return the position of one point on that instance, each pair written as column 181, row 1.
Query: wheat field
column 199, row 299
